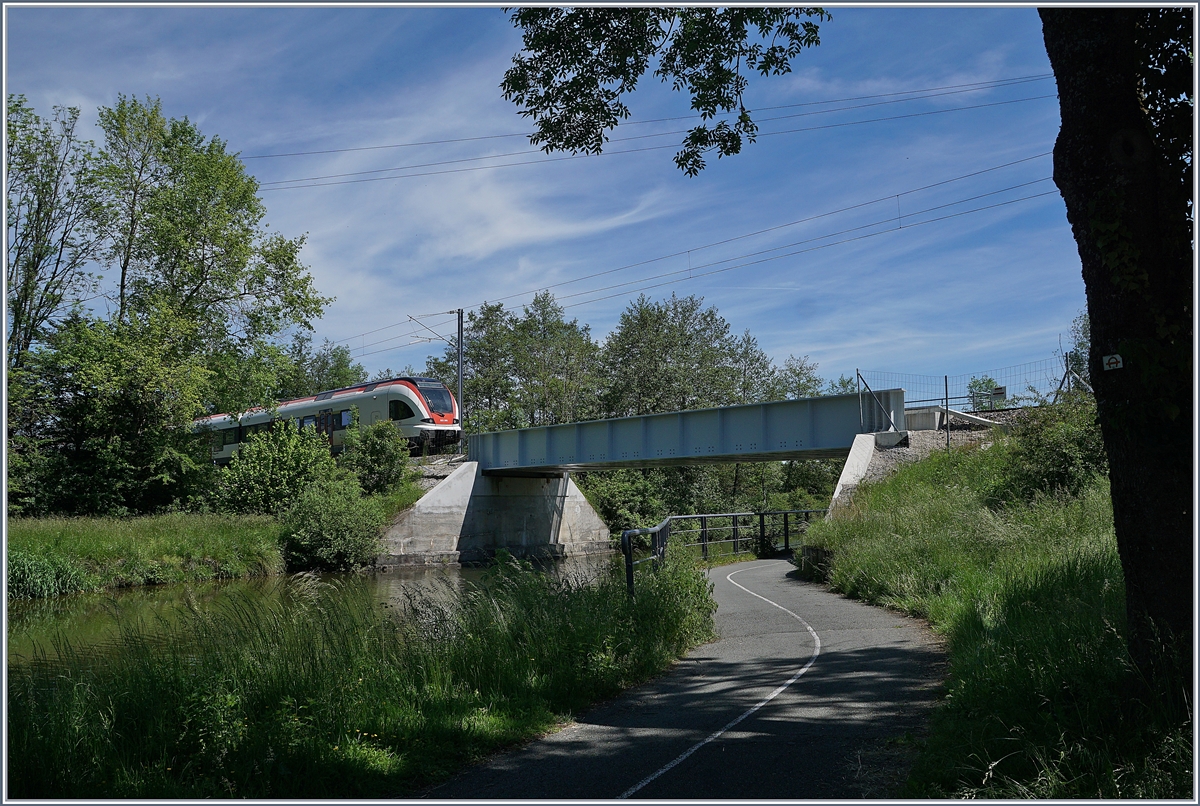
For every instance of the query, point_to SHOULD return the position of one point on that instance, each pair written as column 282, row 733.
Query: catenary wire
column 691, row 270
column 531, row 151
column 721, row 242
column 769, row 259
column 993, row 84
column 609, row 153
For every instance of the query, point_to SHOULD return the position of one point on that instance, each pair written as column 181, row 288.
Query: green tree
column 578, row 63
column 554, row 365
column 273, row 467
column 844, row 385
column 182, row 223
column 981, row 392
column 51, row 193
column 667, row 356
column 130, row 168
column 104, row 417
column 489, row 374
column 798, row 378
column 330, row 366
column 377, row 455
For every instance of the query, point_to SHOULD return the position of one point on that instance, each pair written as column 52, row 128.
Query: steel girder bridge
column 809, row 428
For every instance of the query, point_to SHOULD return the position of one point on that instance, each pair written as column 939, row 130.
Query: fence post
column 762, row 534
column 735, row 534
column 787, row 546
column 704, row 536
column 627, row 550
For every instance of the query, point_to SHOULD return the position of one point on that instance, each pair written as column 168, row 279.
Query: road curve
column 803, row 696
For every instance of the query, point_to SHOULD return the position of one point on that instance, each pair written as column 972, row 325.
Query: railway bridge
column 515, row 492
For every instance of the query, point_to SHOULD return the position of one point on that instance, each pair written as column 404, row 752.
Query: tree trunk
column 1134, row 241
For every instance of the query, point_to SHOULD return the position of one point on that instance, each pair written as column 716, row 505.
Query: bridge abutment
column 470, row 516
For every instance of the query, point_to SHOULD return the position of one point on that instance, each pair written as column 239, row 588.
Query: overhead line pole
column 461, row 410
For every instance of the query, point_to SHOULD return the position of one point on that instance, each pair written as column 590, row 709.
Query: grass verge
column 1042, row 698
column 53, row 556
column 321, row 693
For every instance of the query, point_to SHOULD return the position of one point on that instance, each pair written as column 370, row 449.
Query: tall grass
column 321, row 693
column 1042, row 698
column 52, row 556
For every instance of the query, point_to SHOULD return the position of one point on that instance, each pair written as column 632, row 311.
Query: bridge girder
column 809, row 428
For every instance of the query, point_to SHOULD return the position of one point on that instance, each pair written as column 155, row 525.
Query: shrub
column 377, row 455
column 1054, row 449
column 331, row 527
column 273, row 468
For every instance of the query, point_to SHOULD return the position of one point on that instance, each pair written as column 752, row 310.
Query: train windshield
column 437, row 396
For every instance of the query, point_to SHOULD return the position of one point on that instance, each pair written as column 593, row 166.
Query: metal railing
column 764, row 535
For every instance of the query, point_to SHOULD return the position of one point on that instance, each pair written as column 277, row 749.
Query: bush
column 273, row 468
column 377, row 455
column 331, row 527
column 1053, row 450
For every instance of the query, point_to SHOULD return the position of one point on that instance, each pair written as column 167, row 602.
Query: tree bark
column 1130, row 222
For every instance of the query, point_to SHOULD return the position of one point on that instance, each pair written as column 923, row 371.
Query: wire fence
column 986, row 390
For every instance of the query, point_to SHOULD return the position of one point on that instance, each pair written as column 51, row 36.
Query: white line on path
column 769, row 697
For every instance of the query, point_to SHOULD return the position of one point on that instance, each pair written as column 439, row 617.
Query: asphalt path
column 806, row 694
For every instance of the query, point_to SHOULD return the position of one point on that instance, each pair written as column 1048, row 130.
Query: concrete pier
column 469, row 516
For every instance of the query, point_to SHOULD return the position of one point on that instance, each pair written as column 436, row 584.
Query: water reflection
column 93, row 621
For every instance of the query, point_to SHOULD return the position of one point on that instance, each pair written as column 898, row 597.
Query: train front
column 442, row 425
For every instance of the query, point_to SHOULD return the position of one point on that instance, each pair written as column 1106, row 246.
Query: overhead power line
column 712, row 244
column 531, row 151
column 606, row 153
column 691, row 272
column 762, row 260
column 974, row 85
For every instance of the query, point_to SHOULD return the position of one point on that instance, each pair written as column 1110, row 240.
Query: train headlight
column 427, row 420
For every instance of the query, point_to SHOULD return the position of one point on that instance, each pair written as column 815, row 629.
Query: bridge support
column 470, row 516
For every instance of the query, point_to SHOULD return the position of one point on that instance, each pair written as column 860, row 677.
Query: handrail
column 662, row 532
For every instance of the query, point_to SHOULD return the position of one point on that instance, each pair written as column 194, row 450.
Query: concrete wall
column 469, row 516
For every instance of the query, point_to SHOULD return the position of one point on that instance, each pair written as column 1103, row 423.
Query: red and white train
column 421, row 408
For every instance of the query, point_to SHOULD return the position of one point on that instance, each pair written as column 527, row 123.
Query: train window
column 307, row 421
column 399, row 410
column 229, row 436
column 437, row 396
column 342, row 419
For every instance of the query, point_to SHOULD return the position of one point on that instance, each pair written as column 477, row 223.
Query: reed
column 53, row 556
column 320, row 692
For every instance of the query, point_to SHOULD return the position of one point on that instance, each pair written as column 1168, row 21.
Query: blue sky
column 982, row 290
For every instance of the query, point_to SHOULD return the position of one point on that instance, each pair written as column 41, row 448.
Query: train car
column 423, row 409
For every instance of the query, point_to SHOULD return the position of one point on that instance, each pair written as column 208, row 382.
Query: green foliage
column 51, row 198
column 319, row 692
column 273, row 468
column 842, row 386
column 377, row 455
column 311, row 371
column 982, row 394
column 577, row 63
column 331, row 527
column 1031, row 600
column 104, row 419
column 55, row 556
column 31, row 576
column 1053, row 449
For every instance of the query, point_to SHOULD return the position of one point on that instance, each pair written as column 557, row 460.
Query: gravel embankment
column 922, row 443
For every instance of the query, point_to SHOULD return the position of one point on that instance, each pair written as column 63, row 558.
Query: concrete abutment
column 470, row 516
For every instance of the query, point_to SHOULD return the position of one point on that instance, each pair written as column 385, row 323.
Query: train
column 423, row 410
